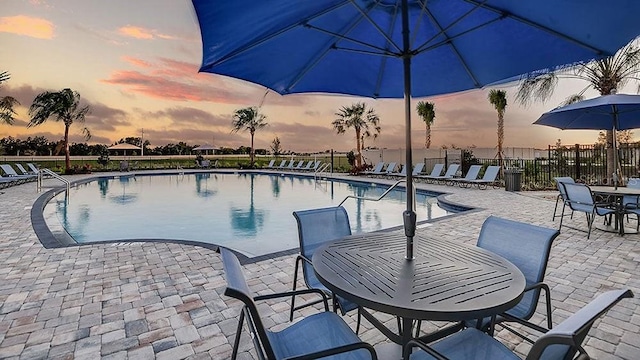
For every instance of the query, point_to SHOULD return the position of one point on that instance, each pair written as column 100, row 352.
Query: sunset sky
column 136, row 64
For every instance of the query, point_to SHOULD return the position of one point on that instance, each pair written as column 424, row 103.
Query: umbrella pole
column 409, row 216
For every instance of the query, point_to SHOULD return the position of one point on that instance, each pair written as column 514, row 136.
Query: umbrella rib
column 270, row 36
column 504, row 13
column 383, row 64
column 373, row 23
column 342, row 37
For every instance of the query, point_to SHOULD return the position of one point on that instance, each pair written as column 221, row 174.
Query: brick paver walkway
column 165, row 301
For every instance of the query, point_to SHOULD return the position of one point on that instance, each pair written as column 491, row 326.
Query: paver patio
column 165, row 300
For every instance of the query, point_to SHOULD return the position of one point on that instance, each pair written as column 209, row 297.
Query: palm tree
column 7, row 103
column 63, row 105
column 498, row 98
column 605, row 75
column 364, row 121
column 427, row 111
column 249, row 119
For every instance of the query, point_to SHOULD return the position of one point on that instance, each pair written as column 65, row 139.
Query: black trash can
column 512, row 179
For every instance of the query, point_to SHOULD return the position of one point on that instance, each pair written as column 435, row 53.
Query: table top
column 611, row 190
column 446, row 281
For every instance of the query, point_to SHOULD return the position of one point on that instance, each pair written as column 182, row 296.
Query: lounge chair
column 526, row 246
column 316, row 227
column 401, row 173
column 289, row 165
column 561, row 194
column 418, row 169
column 6, row 181
column 451, row 172
column 563, row 342
column 579, row 198
column 23, row 170
column 316, row 165
column 33, row 168
column 390, row 168
column 10, row 172
column 299, row 166
column 308, row 166
column 472, row 174
column 489, row 178
column 436, row 171
column 320, row 335
column 282, row 165
column 270, row 164
column 377, row 170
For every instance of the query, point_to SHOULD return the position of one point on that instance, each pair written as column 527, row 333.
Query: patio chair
column 489, row 178
column 563, row 342
column 579, row 198
column 289, row 166
column 23, row 170
column 6, row 181
column 526, row 246
column 315, row 165
column 316, row 227
column 561, row 193
column 390, row 168
column 436, row 171
column 270, row 164
column 377, row 170
column 33, row 168
column 632, row 203
column 10, row 172
column 308, row 166
column 316, row 336
column 282, row 165
column 472, row 174
column 418, row 169
column 299, row 166
column 401, row 173
column 449, row 174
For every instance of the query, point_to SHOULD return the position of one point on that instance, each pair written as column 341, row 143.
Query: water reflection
column 202, row 184
column 275, row 185
column 124, row 198
column 249, row 221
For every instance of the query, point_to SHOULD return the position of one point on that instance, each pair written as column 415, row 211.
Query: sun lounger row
column 10, row 177
column 300, row 165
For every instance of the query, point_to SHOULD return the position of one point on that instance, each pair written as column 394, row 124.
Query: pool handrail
column 380, row 197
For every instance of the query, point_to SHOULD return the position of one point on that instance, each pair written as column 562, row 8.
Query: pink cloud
column 28, row 26
column 138, row 32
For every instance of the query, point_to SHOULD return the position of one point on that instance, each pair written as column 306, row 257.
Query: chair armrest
column 338, row 350
column 426, row 348
column 303, row 258
column 294, row 293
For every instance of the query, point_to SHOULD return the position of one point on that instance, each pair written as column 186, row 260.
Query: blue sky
column 136, row 64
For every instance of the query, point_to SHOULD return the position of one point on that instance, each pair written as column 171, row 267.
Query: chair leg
column 555, row 208
column 295, row 282
column 236, row 342
column 358, row 321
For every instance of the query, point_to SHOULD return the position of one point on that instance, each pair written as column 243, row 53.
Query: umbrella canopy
column 404, row 48
column 204, row 148
column 607, row 112
column 123, row 146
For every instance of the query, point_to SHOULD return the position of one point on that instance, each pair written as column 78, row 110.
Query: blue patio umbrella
column 606, row 112
column 404, row 48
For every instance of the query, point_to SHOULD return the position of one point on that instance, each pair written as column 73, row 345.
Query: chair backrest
column 391, row 167
column 299, row 166
column 316, row 227
column 273, row 161
column 8, row 170
column 290, row 166
column 378, row 167
column 22, row 169
column 627, row 200
column 33, row 168
column 563, row 179
column 577, row 194
column 451, row 170
column 525, row 245
column 237, row 288
column 418, row 169
column 316, row 165
column 564, row 341
column 473, row 172
column 403, row 171
column 491, row 173
column 437, row 170
column 283, row 163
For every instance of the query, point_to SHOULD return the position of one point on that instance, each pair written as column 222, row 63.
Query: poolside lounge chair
column 390, row 168
column 6, row 181
column 377, row 170
column 402, row 172
column 316, row 227
column 579, row 198
column 436, row 171
column 23, row 170
column 289, row 165
column 283, row 163
column 451, row 171
column 472, row 174
column 270, row 164
column 10, row 172
column 299, row 166
column 561, row 194
column 563, row 342
column 489, row 178
column 417, row 170
column 316, row 336
column 308, row 166
column 526, row 246
column 316, row 165
column 33, row 168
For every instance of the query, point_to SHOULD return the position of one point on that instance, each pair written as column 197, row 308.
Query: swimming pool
column 247, row 212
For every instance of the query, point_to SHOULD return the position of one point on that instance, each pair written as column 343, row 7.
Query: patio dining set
column 470, row 289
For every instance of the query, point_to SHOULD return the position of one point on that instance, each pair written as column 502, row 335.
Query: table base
column 613, row 229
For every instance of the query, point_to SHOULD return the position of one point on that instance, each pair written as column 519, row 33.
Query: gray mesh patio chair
column 488, row 178
column 561, row 193
column 449, row 174
column 561, row 343
column 527, row 246
column 472, row 174
column 317, row 336
column 377, row 170
column 315, row 228
column 632, row 203
column 579, row 198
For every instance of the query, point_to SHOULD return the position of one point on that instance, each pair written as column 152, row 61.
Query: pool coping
column 59, row 238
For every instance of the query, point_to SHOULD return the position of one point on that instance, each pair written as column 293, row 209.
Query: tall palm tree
column 7, row 103
column 249, row 119
column 63, row 105
column 364, row 121
column 605, row 75
column 427, row 111
column 498, row 98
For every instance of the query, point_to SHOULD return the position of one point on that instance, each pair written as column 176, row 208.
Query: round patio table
column 446, row 281
column 615, row 195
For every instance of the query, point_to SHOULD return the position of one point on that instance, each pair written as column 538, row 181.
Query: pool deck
column 165, row 300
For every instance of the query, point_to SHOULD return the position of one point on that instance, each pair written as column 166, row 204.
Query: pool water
column 247, row 212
